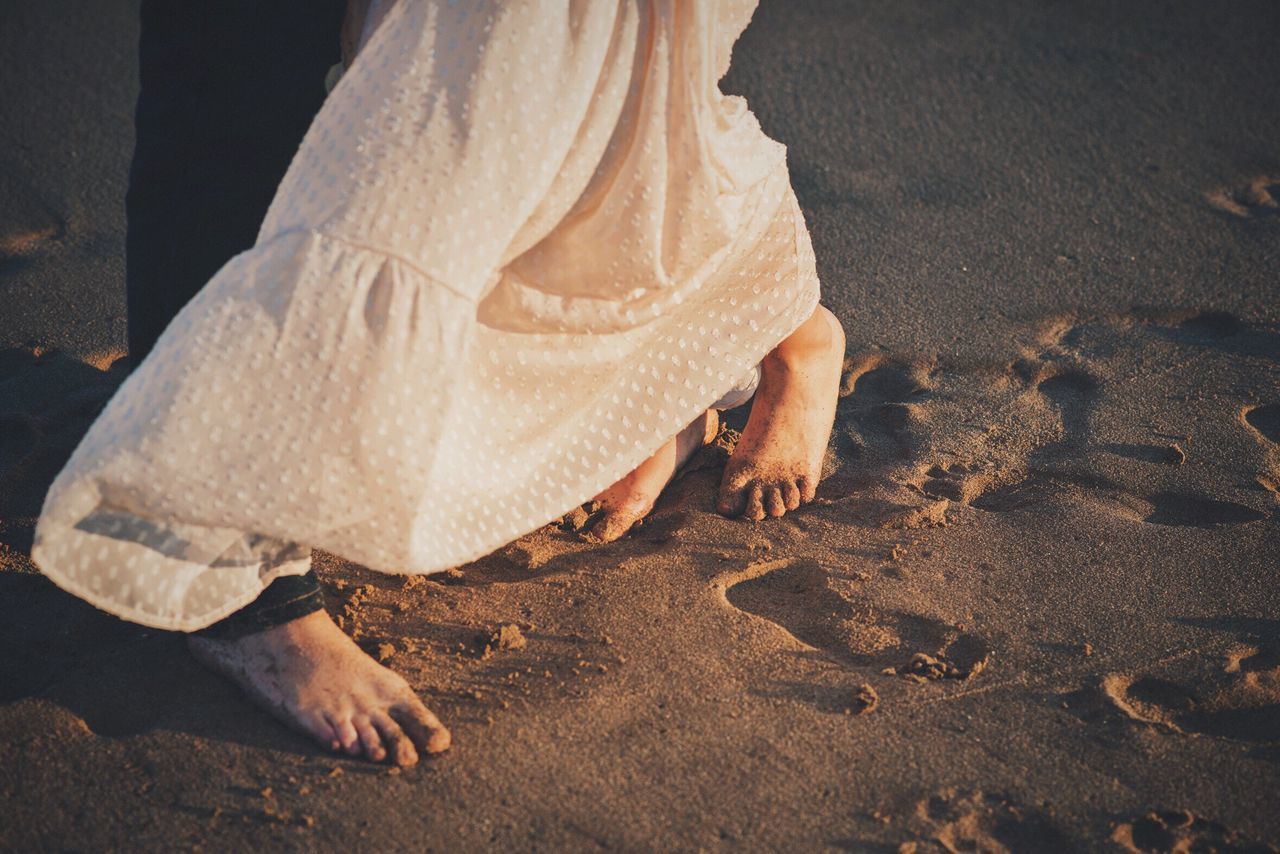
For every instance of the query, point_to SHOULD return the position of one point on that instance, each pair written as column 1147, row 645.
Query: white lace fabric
column 522, row 245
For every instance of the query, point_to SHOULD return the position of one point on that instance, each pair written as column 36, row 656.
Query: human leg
column 314, row 678
column 629, row 500
column 777, row 463
column 228, row 91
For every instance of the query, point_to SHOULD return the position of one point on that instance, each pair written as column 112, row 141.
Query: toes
column 808, row 488
column 399, row 746
column 315, row 725
column 370, row 740
column 733, row 498
column 790, row 495
column 422, row 727
column 348, row 739
column 730, row 504
column 612, row 524
column 773, row 502
column 755, row 503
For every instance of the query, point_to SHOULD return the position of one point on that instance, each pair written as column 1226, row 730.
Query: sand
column 1036, row 606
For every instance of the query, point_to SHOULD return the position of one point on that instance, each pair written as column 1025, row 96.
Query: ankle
column 819, row 336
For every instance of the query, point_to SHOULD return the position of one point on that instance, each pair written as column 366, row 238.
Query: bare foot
column 778, row 461
column 314, row 678
column 630, row 499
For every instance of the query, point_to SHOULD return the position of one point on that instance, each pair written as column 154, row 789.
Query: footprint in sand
column 1173, row 509
column 889, row 383
column 959, row 481
column 1032, row 492
column 1073, row 393
column 1255, row 198
column 978, row 821
column 1180, row 830
column 1239, row 699
column 27, row 225
column 1164, row 454
column 1266, row 421
column 1197, row 511
column 1212, row 324
column 878, row 404
column 1216, row 330
column 1170, row 508
column 798, row 597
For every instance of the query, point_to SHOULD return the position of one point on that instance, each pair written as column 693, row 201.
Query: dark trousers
column 229, row 88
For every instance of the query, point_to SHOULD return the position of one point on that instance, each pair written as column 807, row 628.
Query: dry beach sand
column 1036, row 607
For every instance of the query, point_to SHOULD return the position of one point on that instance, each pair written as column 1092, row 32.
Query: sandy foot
column 778, row 461
column 314, row 678
column 630, row 499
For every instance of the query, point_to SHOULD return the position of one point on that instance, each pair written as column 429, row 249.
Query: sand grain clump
column 504, row 638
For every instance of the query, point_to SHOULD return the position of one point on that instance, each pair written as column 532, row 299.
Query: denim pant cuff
column 287, row 598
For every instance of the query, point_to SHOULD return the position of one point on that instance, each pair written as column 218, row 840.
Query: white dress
column 522, row 245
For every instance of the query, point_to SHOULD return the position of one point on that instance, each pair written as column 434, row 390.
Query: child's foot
column 315, row 679
column 630, row 499
column 778, row 461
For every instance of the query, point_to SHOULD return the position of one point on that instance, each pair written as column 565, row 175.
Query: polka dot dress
column 522, row 245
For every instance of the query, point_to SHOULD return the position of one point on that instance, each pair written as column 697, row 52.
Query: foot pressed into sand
column 630, row 499
column 778, row 461
column 314, row 678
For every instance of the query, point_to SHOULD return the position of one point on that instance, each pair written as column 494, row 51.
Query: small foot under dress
column 522, row 245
